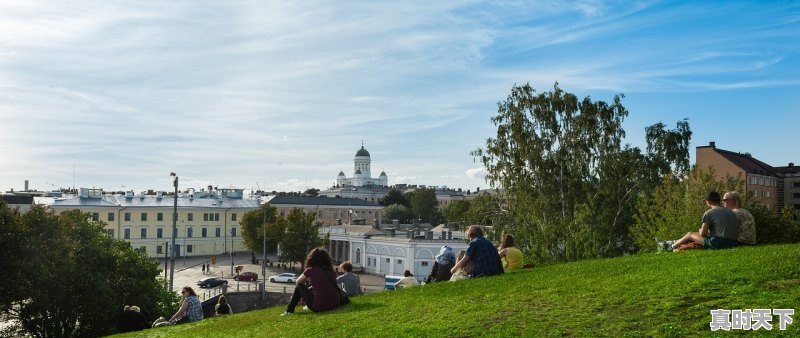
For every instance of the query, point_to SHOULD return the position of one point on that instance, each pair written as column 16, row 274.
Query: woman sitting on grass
column 464, row 271
column 222, row 308
column 445, row 261
column 509, row 254
column 407, row 281
column 325, row 294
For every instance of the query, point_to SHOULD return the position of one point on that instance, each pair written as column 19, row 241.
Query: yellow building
column 207, row 223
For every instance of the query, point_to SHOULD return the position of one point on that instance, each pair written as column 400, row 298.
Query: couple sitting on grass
column 721, row 228
column 480, row 259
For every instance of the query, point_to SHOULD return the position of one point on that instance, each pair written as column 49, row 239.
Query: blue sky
column 283, row 92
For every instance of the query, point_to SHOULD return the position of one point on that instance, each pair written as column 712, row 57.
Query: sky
column 279, row 95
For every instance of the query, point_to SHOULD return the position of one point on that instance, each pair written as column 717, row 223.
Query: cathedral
column 362, row 176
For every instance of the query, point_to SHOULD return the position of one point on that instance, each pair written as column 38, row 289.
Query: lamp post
column 264, row 259
column 174, row 231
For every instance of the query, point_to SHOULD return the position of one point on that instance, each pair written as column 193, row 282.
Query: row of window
column 208, row 217
column 343, row 213
column 763, row 181
column 763, row 194
column 126, row 232
column 374, row 262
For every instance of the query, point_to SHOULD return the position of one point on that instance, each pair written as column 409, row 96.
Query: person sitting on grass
column 325, row 293
column 509, row 254
column 407, row 281
column 482, row 253
column 222, row 308
column 747, row 225
column 349, row 281
column 191, row 309
column 465, row 271
column 719, row 229
column 445, row 261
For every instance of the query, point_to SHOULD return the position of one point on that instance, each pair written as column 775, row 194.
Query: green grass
column 661, row 295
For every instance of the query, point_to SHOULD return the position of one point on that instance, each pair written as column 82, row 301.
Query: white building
column 391, row 250
column 362, row 173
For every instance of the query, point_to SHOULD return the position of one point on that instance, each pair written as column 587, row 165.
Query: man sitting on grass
column 719, row 229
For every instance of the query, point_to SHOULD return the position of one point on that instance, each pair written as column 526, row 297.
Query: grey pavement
column 189, row 270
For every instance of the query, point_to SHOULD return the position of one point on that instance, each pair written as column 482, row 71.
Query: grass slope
column 644, row 295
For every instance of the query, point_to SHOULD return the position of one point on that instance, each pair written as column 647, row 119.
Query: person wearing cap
column 747, row 225
column 719, row 228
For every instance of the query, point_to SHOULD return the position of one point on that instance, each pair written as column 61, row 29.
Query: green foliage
column 311, row 192
column 252, row 225
column 569, row 186
column 457, row 211
column 301, row 236
column 11, row 245
column 424, row 205
column 394, row 196
column 76, row 279
column 774, row 228
column 398, row 212
column 676, row 207
column 647, row 295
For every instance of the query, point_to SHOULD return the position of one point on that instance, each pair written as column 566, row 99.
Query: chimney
column 712, row 144
column 429, row 234
column 791, row 164
column 449, row 235
column 26, row 185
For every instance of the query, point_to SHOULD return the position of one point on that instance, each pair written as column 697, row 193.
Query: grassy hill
column 666, row 295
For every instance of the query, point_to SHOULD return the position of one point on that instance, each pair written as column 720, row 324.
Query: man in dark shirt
column 719, row 229
column 484, row 256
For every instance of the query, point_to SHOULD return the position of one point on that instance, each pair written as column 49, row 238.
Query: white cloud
column 476, row 173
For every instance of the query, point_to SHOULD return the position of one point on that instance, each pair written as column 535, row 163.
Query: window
column 143, row 233
column 797, row 207
column 233, row 232
column 218, row 232
column 127, row 233
column 127, row 217
column 424, row 263
column 160, row 233
column 358, row 255
column 216, row 217
column 796, row 195
column 233, row 217
column 205, row 216
column 769, row 193
column 388, row 261
column 160, row 216
column 319, row 214
column 399, row 261
column 159, row 249
column 796, row 184
column 189, row 248
column 189, row 232
column 204, row 232
column 110, row 216
column 144, row 217
column 95, row 216
column 190, row 217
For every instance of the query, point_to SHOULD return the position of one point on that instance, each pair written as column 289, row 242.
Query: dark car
column 246, row 277
column 211, row 282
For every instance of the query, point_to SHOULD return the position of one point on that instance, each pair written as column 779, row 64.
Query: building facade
column 771, row 186
column 329, row 211
column 207, row 224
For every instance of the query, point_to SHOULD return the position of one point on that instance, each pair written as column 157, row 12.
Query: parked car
column 246, row 277
column 283, row 278
column 211, row 282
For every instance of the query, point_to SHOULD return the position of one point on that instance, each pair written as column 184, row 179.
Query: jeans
column 300, row 291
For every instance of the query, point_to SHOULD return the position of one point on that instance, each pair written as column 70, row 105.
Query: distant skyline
column 280, row 95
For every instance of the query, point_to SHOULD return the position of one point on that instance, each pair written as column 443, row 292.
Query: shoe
column 286, row 313
column 668, row 245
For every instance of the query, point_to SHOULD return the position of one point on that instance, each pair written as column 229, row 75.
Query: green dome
column 362, row 152
column 383, row 173
column 358, row 172
column 341, row 173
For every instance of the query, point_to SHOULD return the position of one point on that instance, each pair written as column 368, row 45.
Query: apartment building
column 207, row 222
column 329, row 210
column 774, row 187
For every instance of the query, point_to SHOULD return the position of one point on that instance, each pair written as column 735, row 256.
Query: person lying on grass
column 719, row 229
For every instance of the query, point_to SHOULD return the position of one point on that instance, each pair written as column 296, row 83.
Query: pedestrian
column 204, row 268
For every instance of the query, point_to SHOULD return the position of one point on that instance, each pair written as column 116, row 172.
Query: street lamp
column 174, row 231
column 264, row 259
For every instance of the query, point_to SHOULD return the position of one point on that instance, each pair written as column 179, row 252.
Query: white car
column 283, row 278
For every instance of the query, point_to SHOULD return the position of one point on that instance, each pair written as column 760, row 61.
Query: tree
column 394, row 196
column 396, row 212
column 456, row 211
column 311, row 192
column 252, row 225
column 424, row 205
column 301, row 236
column 568, row 185
column 83, row 277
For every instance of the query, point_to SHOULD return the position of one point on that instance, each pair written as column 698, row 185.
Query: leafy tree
column 569, row 186
column 83, row 277
column 456, row 211
column 301, row 236
column 252, row 225
column 311, row 192
column 424, row 205
column 396, row 211
column 11, row 245
column 394, row 196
